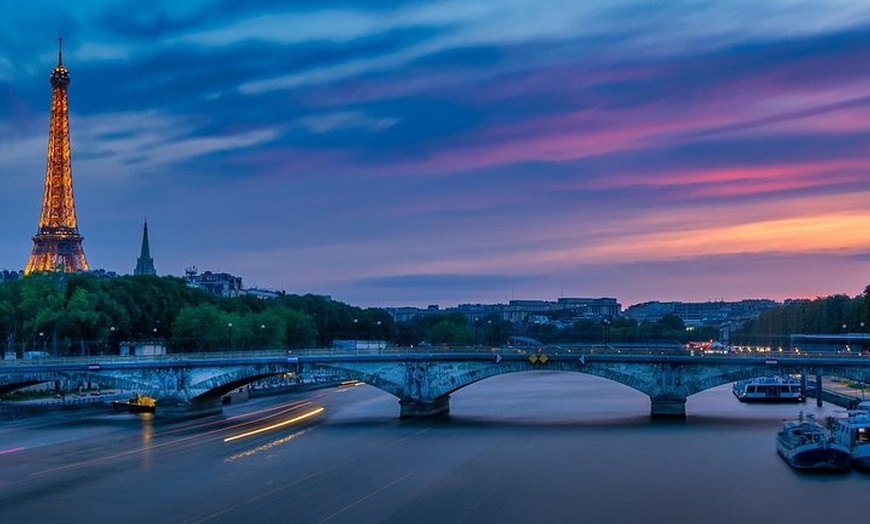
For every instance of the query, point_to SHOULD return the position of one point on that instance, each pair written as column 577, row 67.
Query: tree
column 448, row 331
column 200, row 328
column 300, row 330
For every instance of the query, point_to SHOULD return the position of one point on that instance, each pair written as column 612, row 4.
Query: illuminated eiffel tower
column 57, row 245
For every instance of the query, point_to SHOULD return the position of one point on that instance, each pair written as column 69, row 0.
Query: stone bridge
column 422, row 381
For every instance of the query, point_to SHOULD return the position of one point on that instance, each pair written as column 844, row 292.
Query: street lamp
column 263, row 335
column 230, row 332
column 109, row 337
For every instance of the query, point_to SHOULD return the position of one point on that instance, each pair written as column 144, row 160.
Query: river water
column 522, row 448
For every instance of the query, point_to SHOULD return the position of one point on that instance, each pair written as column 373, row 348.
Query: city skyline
column 453, row 153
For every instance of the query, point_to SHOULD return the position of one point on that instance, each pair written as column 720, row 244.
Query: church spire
column 145, row 264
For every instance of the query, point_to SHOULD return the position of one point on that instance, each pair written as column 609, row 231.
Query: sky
column 393, row 153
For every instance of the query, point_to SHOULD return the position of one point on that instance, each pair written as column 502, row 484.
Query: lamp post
column 846, row 334
column 476, row 340
column 41, row 341
column 263, row 335
column 230, row 334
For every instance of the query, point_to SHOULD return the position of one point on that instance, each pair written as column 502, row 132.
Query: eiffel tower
column 57, row 245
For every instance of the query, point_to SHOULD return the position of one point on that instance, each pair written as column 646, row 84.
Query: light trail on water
column 275, row 426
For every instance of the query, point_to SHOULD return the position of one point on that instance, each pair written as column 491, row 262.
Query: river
column 535, row 447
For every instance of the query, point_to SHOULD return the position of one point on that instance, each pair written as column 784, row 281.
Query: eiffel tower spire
column 145, row 264
column 57, row 245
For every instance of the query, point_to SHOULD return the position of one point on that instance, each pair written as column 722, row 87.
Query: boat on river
column 807, row 445
column 769, row 389
column 853, row 432
column 135, row 404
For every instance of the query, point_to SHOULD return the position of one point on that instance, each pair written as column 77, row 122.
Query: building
column 220, row 284
column 701, row 313
column 575, row 308
column 57, row 245
column 145, row 264
column 517, row 311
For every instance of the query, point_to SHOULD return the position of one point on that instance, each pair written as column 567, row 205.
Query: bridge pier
column 668, row 407
column 411, row 408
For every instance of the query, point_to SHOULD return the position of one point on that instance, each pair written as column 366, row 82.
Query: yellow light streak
column 275, row 426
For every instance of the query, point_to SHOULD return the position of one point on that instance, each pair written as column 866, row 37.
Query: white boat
column 853, row 431
column 768, row 389
column 809, row 446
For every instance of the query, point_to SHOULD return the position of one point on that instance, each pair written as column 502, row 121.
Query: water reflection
column 146, row 434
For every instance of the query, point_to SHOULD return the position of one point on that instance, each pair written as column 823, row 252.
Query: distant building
column 220, row 284
column 405, row 313
column 145, row 264
column 701, row 313
column 520, row 310
column 578, row 309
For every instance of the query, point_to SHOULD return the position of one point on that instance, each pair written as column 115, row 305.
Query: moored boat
column 768, row 389
column 136, row 404
column 853, row 432
column 807, row 445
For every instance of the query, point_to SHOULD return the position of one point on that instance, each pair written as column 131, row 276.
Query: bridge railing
column 588, row 350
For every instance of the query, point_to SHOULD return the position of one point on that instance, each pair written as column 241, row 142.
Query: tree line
column 835, row 314
column 68, row 314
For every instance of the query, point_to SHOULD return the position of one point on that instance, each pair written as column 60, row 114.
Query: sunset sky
column 447, row 152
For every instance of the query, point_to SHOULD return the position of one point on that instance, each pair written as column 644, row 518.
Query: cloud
column 140, row 143
column 327, row 123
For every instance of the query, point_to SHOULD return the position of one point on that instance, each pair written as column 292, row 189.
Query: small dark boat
column 135, row 404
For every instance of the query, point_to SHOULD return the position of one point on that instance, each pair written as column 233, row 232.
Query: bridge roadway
column 421, row 378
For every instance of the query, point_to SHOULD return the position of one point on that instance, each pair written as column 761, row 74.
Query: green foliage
column 807, row 317
column 80, row 314
column 448, row 331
